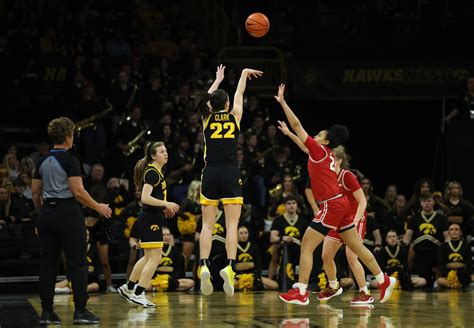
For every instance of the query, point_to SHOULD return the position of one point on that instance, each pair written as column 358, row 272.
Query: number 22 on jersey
column 222, row 130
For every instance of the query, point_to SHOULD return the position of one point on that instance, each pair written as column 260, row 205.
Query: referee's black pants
column 61, row 226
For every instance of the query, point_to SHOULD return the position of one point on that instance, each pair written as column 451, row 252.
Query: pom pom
column 453, row 279
column 245, row 281
column 187, row 224
column 161, row 282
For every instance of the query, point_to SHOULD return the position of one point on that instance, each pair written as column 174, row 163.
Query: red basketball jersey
column 349, row 184
column 322, row 171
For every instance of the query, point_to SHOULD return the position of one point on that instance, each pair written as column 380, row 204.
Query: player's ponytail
column 337, row 135
column 201, row 100
column 217, row 100
column 150, row 150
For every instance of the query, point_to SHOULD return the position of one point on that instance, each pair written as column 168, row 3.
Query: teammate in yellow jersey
column 149, row 225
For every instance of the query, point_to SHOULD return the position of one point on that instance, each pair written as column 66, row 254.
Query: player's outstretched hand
column 281, row 93
column 220, row 73
column 253, row 73
column 283, row 128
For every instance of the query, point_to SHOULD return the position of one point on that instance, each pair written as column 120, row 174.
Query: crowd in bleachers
column 129, row 76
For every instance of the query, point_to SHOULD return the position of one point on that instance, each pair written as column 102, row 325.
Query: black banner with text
column 378, row 80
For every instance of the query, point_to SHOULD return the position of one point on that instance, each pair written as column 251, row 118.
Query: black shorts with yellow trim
column 148, row 228
column 221, row 183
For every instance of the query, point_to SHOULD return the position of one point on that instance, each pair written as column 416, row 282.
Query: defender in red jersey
column 334, row 208
column 333, row 241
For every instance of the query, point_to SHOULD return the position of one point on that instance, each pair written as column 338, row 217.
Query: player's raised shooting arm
column 292, row 119
column 237, row 109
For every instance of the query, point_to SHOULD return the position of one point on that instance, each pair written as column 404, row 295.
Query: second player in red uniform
column 334, row 208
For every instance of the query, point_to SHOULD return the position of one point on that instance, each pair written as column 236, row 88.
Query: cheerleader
column 170, row 274
column 248, row 266
column 393, row 258
column 455, row 260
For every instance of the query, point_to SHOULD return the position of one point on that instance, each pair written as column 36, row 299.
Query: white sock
column 333, row 284
column 364, row 289
column 301, row 287
column 380, row 278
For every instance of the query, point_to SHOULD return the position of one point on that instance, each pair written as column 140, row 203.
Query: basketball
column 257, row 25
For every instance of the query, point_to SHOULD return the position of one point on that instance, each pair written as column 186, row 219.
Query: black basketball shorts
column 221, row 183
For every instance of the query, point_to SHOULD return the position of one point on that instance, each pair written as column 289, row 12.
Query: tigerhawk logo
column 428, row 229
column 245, row 257
column 154, row 227
column 393, row 262
column 292, row 232
column 218, row 229
column 455, row 257
column 166, row 261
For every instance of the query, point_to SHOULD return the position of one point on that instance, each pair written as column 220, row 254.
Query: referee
column 57, row 184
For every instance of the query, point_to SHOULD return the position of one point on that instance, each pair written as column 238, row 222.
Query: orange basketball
column 257, row 25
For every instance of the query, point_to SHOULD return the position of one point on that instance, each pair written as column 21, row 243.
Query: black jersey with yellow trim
column 221, row 135
column 153, row 176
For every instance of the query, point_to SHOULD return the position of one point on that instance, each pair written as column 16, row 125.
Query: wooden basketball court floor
column 253, row 309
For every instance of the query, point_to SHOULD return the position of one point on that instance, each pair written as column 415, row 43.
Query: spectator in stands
column 390, row 195
column 427, row 231
column 123, row 96
column 27, row 166
column 5, row 204
column 458, row 210
column 279, row 193
column 191, row 128
column 4, row 177
column 287, row 228
column 13, row 165
column 92, row 140
column 166, row 134
column 376, row 207
column 395, row 219
column 270, row 138
column 180, row 170
column 422, row 186
column 22, row 208
column 464, row 108
column 251, row 108
column 42, row 149
column 152, row 96
column 130, row 128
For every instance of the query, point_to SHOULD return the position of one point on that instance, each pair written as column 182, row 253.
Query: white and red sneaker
column 328, row 293
column 293, row 296
column 362, row 298
column 386, row 288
